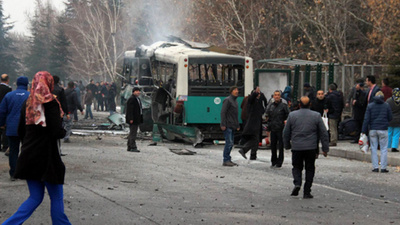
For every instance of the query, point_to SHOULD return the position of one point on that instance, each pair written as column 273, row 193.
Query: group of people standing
column 376, row 110
column 286, row 128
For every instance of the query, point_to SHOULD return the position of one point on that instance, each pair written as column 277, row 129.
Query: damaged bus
column 190, row 83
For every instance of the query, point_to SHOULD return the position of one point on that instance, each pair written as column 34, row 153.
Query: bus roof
column 173, row 51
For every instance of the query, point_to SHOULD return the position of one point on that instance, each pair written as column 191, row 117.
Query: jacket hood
column 22, row 81
column 378, row 99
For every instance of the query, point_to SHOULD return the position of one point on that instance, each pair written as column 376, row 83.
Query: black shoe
column 242, row 153
column 307, row 196
column 67, row 141
column 295, row 191
column 375, row 170
column 253, row 157
column 395, row 150
column 133, row 150
column 384, row 171
column 62, row 154
column 278, row 166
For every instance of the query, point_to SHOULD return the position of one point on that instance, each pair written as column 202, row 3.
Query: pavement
column 347, row 150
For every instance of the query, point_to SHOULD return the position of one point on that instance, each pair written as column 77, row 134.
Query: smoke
column 153, row 20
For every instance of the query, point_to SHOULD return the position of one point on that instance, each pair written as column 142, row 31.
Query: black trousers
column 133, row 128
column 4, row 140
column 251, row 143
column 300, row 159
column 276, row 142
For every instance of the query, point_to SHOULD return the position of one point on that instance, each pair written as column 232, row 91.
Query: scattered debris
column 180, row 151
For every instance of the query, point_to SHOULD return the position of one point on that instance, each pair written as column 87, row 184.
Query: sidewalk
column 345, row 149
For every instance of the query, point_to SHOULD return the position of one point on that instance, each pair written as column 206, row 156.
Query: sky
column 18, row 9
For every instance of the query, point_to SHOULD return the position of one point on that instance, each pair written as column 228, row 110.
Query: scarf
column 42, row 86
column 396, row 95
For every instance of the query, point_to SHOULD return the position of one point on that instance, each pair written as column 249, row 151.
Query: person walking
column 304, row 128
column 40, row 162
column 335, row 108
column 10, row 109
column 4, row 89
column 277, row 113
column 251, row 131
column 134, row 117
column 230, row 123
column 394, row 124
column 73, row 104
column 88, row 103
column 377, row 118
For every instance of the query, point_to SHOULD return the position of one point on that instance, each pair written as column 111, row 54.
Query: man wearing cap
column 301, row 134
column 4, row 89
column 134, row 117
column 10, row 109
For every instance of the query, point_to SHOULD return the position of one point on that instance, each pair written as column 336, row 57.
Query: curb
column 360, row 156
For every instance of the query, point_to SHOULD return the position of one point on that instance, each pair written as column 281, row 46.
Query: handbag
column 325, row 120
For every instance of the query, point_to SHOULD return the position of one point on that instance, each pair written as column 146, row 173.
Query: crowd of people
column 299, row 125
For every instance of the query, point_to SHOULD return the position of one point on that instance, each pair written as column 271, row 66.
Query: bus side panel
column 205, row 109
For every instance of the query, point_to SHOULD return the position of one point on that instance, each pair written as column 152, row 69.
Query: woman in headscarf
column 39, row 162
column 394, row 125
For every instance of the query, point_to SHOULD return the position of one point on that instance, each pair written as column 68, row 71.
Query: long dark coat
column 255, row 110
column 40, row 159
column 133, row 111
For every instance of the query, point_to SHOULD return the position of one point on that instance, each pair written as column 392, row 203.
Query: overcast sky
column 17, row 10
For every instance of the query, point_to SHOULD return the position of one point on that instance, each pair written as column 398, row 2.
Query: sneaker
column 384, row 171
column 307, row 196
column 67, row 141
column 395, row 150
column 241, row 152
column 295, row 191
column 133, row 150
column 229, row 163
column 375, row 170
column 7, row 153
column 332, row 144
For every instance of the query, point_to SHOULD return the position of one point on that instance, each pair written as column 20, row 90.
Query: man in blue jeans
column 230, row 123
column 376, row 119
column 10, row 109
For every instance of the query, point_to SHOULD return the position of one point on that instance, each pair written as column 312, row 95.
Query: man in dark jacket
column 134, row 117
column 359, row 106
column 377, row 118
column 277, row 113
column 230, row 123
column 319, row 104
column 72, row 105
column 251, row 130
column 10, row 109
column 335, row 108
column 59, row 93
column 4, row 89
column 372, row 88
column 303, row 130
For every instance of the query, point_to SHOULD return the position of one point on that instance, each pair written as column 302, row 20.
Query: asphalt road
column 105, row 184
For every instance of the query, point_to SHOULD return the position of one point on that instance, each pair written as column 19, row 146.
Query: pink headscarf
column 42, row 86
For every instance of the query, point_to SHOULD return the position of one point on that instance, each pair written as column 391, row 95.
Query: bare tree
column 93, row 36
